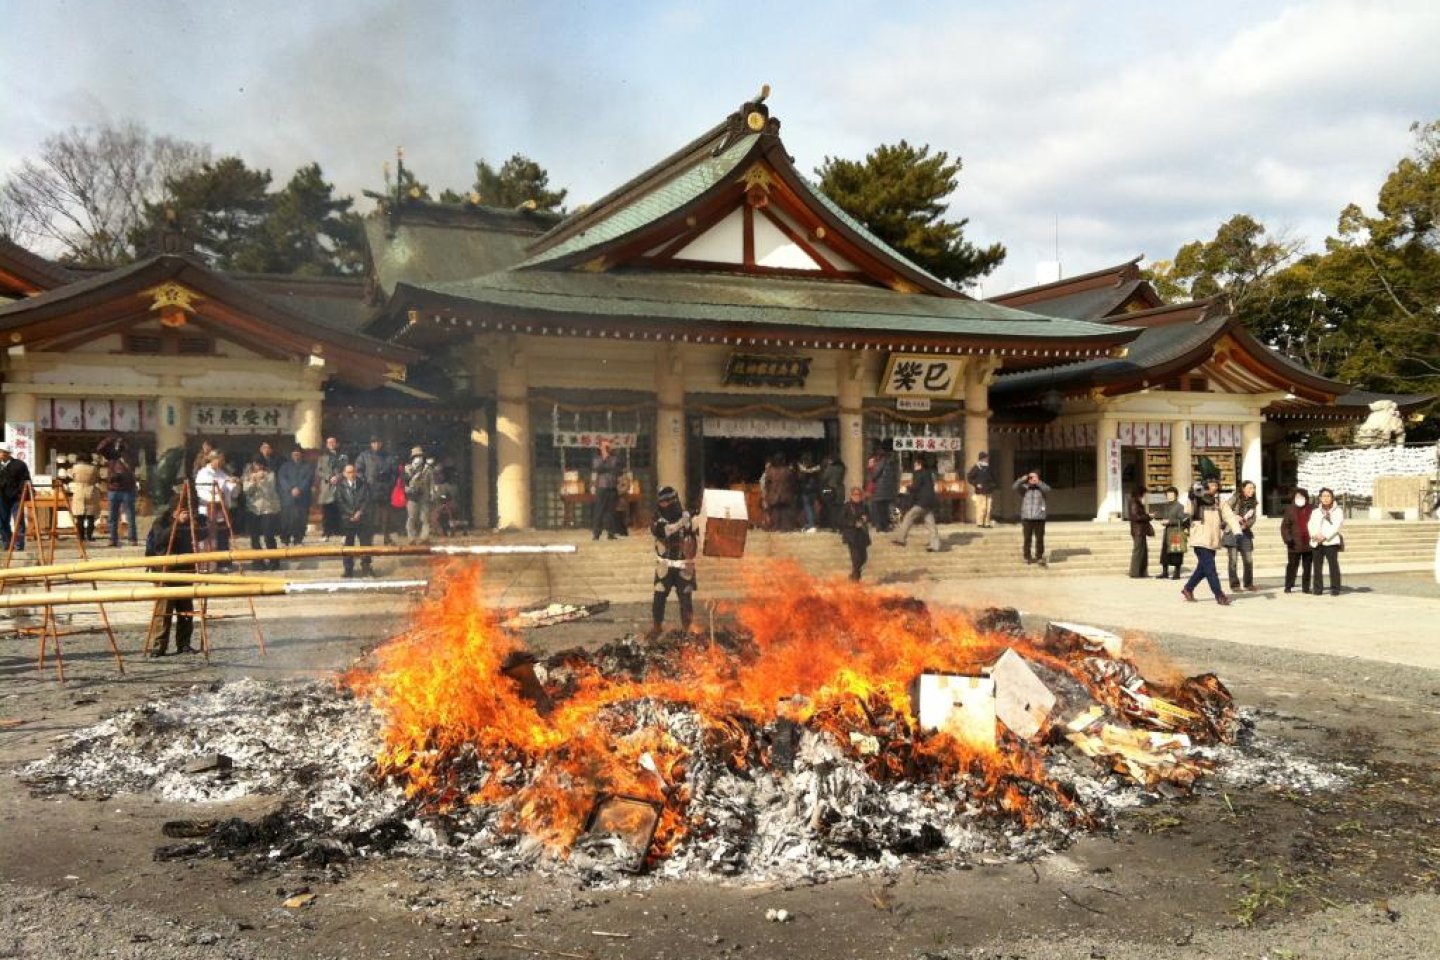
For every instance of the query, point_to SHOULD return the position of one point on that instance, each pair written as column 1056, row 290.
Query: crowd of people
column 1207, row 522
column 360, row 497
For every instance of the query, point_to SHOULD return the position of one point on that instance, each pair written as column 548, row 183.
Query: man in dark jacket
column 379, row 470
column 171, row 535
column 605, row 470
column 354, row 503
column 982, row 485
column 923, row 502
column 14, row 474
column 294, row 480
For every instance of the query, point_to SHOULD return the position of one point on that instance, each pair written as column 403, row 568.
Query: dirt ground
column 1253, row 873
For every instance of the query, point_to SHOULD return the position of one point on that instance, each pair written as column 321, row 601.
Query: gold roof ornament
column 395, row 372
column 758, row 176
column 172, row 294
column 174, row 301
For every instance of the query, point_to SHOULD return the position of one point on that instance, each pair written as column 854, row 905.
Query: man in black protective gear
column 675, row 533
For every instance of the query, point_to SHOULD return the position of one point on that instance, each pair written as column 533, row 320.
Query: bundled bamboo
column 282, row 553
column 203, row 591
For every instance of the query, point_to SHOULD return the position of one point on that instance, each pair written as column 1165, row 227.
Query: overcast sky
column 1133, row 126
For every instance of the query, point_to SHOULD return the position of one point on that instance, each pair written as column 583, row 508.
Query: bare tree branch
column 85, row 194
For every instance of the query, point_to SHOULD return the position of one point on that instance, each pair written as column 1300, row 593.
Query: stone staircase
column 621, row 570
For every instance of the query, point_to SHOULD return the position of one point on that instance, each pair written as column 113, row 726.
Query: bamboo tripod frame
column 46, row 539
column 216, row 507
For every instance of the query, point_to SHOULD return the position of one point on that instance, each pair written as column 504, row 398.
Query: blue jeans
column 1205, row 570
column 10, row 517
column 122, row 499
column 807, row 503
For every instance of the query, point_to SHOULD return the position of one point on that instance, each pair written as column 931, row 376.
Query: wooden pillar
column 1002, row 461
column 1181, row 474
column 20, row 408
column 670, row 421
column 479, row 361
column 978, row 373
column 307, row 424
column 480, row 518
column 850, row 398
column 1252, row 458
column 172, row 416
column 512, row 440
column 1108, row 494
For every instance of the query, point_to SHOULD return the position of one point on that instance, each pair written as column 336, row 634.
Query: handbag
column 397, row 493
column 1229, row 540
column 1340, row 547
column 1149, row 529
column 1175, row 539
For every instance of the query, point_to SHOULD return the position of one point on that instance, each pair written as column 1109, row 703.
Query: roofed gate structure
column 712, row 309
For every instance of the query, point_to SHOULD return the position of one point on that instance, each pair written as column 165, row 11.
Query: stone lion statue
column 1383, row 427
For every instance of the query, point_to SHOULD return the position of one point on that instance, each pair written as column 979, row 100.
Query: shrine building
column 705, row 315
column 1195, row 392
column 710, row 312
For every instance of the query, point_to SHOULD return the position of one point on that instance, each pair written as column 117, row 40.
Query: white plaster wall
column 722, row 243
column 774, row 249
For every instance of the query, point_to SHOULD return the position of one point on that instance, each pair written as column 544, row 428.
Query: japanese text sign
column 912, row 375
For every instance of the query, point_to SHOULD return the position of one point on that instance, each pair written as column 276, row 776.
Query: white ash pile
column 639, row 757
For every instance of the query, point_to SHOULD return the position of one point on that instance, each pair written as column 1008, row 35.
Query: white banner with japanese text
column 592, row 438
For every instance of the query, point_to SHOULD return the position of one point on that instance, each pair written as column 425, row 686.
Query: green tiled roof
column 726, row 298
column 654, row 204
column 1154, row 347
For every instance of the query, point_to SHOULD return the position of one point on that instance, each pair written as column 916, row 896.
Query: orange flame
column 834, row 656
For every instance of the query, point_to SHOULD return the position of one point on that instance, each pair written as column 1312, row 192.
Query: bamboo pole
column 281, row 553
column 59, row 598
column 154, row 576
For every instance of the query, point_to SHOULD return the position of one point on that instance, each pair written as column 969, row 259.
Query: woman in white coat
column 1325, row 524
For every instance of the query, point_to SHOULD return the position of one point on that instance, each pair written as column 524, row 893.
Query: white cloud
column 1138, row 126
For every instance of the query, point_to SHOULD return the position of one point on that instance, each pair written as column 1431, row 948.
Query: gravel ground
column 77, row 879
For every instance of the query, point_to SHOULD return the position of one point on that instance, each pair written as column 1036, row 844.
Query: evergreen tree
column 309, row 231
column 220, row 208
column 519, row 180
column 899, row 192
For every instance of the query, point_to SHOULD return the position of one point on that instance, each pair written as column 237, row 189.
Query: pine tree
column 899, row 193
column 519, row 180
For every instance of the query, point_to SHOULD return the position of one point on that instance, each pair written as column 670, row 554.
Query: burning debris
column 835, row 730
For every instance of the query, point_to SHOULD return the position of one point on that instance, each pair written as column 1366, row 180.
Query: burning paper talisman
column 963, row 707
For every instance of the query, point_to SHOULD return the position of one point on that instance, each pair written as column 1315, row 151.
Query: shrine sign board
column 227, row 417
column 916, row 375
column 766, row 370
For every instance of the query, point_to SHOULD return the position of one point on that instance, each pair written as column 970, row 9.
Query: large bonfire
column 814, row 687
